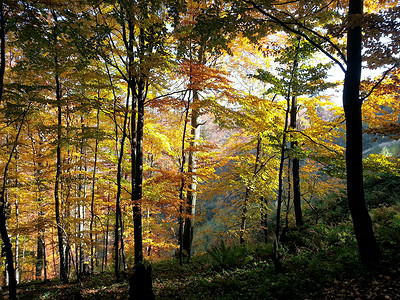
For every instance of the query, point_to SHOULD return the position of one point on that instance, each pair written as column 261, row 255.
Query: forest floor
column 241, row 273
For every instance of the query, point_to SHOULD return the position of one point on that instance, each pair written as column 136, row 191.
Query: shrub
column 223, row 256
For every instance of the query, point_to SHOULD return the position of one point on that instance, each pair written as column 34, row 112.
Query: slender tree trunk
column 12, row 285
column 119, row 175
column 137, row 208
column 191, row 195
column 60, row 233
column 92, row 214
column 17, row 241
column 368, row 247
column 264, row 219
column 244, row 216
column 38, row 171
column 192, row 166
column 119, row 189
column 295, row 167
column 2, row 48
column 17, row 258
column 141, row 94
column 81, row 203
column 123, row 259
column 44, row 257
column 294, row 144
column 183, row 183
column 7, row 246
column 22, row 264
column 278, row 266
column 105, row 253
column 39, row 256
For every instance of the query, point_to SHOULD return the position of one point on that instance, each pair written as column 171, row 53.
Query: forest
column 200, row 149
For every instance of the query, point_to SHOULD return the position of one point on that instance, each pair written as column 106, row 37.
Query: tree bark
column 191, row 198
column 60, row 233
column 12, row 284
column 182, row 187
column 137, row 192
column 264, row 219
column 188, row 226
column 368, row 247
column 2, row 48
column 119, row 189
column 7, row 246
column 92, row 214
column 295, row 167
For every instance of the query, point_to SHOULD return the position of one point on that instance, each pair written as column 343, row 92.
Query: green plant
column 223, row 256
column 387, row 226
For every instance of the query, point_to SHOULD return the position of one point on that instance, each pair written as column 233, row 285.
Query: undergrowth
column 319, row 262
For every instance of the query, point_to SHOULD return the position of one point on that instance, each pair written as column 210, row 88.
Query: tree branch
column 312, row 140
column 379, row 81
column 298, row 32
column 326, row 39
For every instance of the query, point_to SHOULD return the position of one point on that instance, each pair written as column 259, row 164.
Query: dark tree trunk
column 12, row 283
column 264, row 219
column 117, row 237
column 7, row 246
column 182, row 187
column 140, row 283
column 188, row 227
column 137, row 192
column 2, row 48
column 92, row 214
column 295, row 167
column 368, row 247
column 293, row 145
column 40, row 255
column 60, row 233
column 277, row 263
column 244, row 216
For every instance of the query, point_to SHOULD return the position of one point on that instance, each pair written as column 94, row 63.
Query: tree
column 367, row 244
column 4, row 23
column 352, row 102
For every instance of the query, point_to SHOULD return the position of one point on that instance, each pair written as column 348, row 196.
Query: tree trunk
column 92, row 214
column 40, row 256
column 182, row 187
column 188, row 226
column 295, row 167
column 368, row 247
column 264, row 219
column 293, row 144
column 2, row 48
column 7, row 246
column 17, row 262
column 60, row 233
column 277, row 263
column 12, row 285
column 191, row 197
column 119, row 189
column 104, row 261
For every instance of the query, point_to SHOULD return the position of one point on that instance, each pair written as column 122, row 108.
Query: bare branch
column 380, row 81
column 326, row 39
column 312, row 140
column 298, row 32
